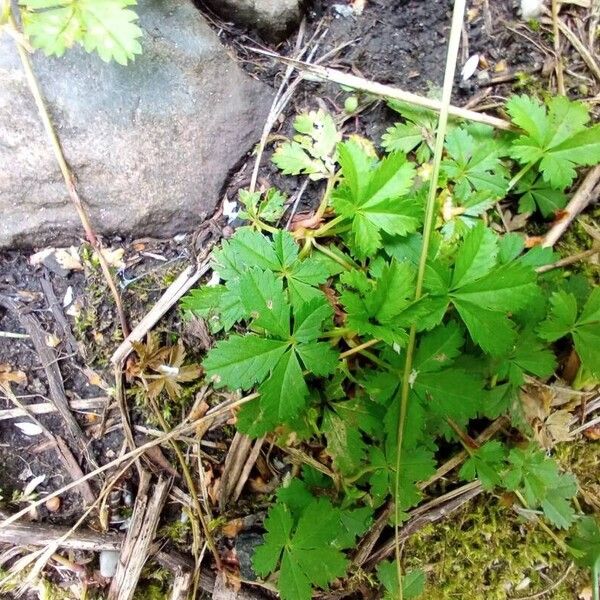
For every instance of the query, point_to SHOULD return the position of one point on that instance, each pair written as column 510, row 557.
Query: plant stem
column 328, row 226
column 326, row 195
column 68, row 177
column 519, row 176
column 359, row 348
column 455, row 35
column 596, row 580
column 338, row 259
column 337, row 332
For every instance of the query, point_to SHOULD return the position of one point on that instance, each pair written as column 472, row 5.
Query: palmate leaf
column 413, row 583
column 376, row 308
column 585, row 329
column 373, row 197
column 417, row 464
column 248, row 249
column 483, row 293
column 268, row 207
column 539, row 195
column 585, row 543
column 343, row 425
column 307, row 553
column 486, row 464
column 104, row 26
column 528, row 355
column 542, row 485
column 274, row 362
column 416, row 133
column 312, row 150
column 473, row 165
column 557, row 138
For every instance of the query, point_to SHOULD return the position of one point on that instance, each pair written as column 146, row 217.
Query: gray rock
column 151, row 144
column 273, row 19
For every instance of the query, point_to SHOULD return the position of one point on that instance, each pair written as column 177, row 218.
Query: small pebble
column 53, row 504
column 531, row 9
column 109, row 559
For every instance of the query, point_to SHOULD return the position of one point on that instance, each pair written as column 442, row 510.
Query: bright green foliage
column 539, row 481
column 483, row 291
column 375, row 307
column 538, row 194
column 585, row 543
column 375, row 198
column 267, row 207
column 312, row 149
column 528, row 355
column 585, row 329
column 474, row 165
column 322, row 320
column 486, row 464
column 416, row 133
column 275, row 361
column 306, row 542
column 103, row 26
column 555, row 138
column 413, row 583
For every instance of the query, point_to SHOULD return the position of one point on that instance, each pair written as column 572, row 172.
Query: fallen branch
column 385, row 91
column 45, row 408
column 427, row 514
column 588, row 192
column 48, row 358
column 140, row 535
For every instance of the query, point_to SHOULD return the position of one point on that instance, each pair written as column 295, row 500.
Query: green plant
column 323, row 320
column 585, row 547
column 106, row 27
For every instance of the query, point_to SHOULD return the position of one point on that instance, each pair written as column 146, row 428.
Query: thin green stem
column 338, row 259
column 308, row 242
column 560, row 543
column 326, row 195
column 519, row 176
column 264, row 226
column 359, row 348
column 596, row 580
column 191, row 487
column 337, row 332
column 327, row 227
column 455, row 35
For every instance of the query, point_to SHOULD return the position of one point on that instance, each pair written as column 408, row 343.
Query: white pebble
column 531, row 9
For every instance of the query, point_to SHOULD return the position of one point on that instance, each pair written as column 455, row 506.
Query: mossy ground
column 488, row 552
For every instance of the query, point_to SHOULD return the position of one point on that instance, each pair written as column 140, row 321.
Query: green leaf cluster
column 317, row 323
column 106, row 27
column 530, row 473
column 305, row 538
column 311, row 151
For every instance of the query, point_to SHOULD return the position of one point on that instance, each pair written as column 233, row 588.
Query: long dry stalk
column 68, row 176
column 455, row 35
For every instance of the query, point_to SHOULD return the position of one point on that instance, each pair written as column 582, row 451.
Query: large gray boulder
column 151, row 144
column 273, row 19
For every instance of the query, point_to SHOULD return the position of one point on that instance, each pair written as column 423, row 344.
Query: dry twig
column 588, row 192
column 384, row 91
column 140, row 535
